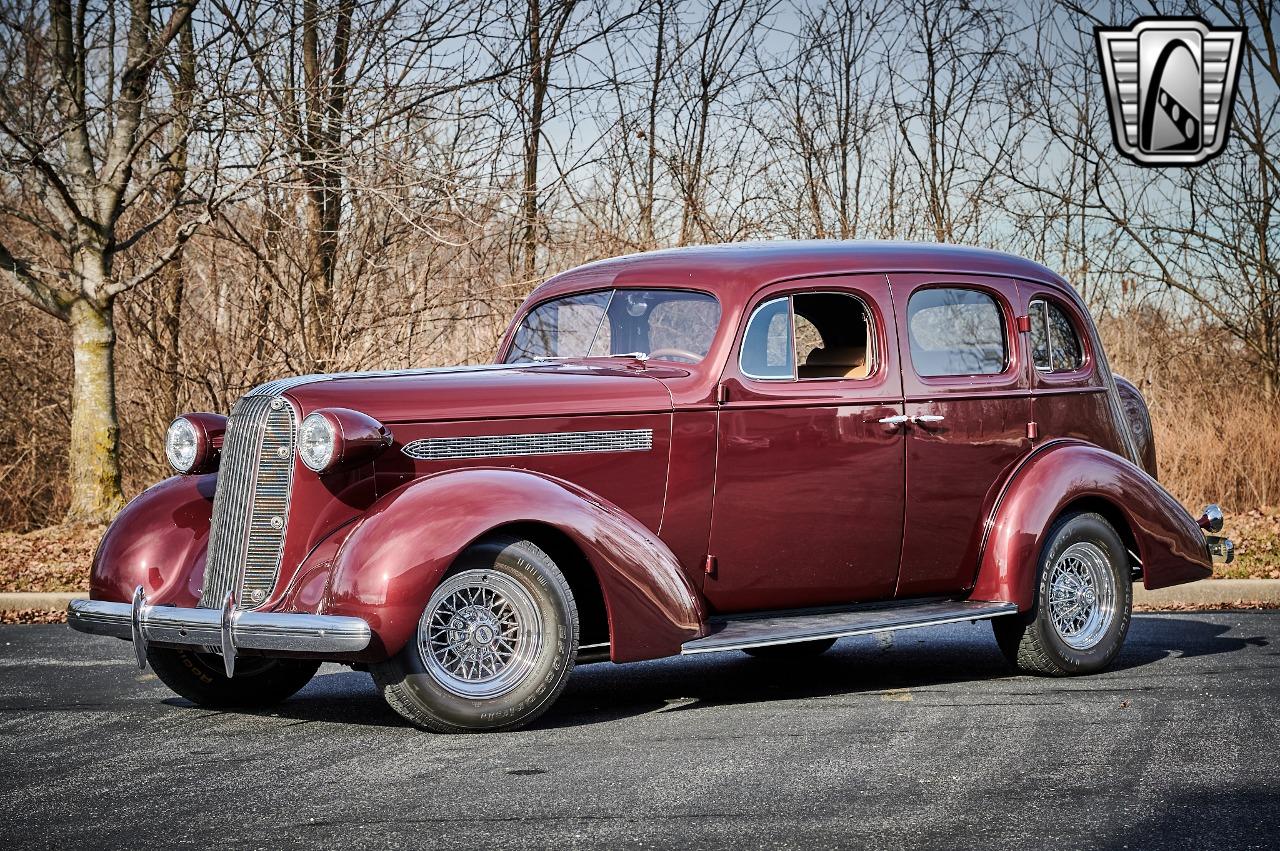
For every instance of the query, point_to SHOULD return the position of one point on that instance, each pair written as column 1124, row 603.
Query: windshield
column 673, row 325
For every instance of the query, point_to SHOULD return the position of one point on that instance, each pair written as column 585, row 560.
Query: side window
column 766, row 347
column 1055, row 346
column 956, row 331
column 808, row 336
column 833, row 336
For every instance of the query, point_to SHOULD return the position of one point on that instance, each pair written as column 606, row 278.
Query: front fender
column 390, row 563
column 1170, row 544
column 158, row 541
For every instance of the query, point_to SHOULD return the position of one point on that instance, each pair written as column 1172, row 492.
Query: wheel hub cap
column 1082, row 595
column 480, row 634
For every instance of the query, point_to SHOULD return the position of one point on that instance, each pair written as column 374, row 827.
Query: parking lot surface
column 920, row 740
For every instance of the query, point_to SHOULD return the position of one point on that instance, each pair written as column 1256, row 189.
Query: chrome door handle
column 927, row 419
column 895, row 421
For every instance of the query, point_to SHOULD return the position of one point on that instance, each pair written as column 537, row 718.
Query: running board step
column 742, row 632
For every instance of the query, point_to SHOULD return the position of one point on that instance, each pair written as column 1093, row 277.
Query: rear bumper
column 225, row 630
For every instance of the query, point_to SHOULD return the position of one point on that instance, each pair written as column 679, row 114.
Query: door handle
column 927, row 419
column 894, row 421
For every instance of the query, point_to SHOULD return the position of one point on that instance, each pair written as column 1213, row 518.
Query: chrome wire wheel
column 480, row 634
column 1082, row 595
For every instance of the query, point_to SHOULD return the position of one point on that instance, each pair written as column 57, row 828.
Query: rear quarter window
column 956, row 331
column 1055, row 345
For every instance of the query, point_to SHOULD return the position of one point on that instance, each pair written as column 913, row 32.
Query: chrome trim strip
column 283, row 385
column 962, row 611
column 549, row 443
column 203, row 628
column 227, row 638
column 136, row 632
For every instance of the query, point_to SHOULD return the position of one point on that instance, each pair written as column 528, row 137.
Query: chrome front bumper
column 224, row 630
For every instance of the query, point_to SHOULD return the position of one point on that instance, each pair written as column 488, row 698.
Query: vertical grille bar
column 250, row 505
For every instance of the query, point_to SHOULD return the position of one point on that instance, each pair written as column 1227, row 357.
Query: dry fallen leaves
column 53, row 559
column 34, row 616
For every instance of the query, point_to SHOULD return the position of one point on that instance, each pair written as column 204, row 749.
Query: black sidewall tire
column 1033, row 643
column 201, row 677
column 415, row 694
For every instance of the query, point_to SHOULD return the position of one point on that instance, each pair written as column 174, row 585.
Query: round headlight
column 182, row 444
column 317, row 442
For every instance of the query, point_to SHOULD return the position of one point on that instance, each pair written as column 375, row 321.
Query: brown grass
column 1217, row 433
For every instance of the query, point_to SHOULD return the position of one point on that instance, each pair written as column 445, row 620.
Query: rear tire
column 202, row 679
column 1083, row 603
column 494, row 645
column 795, row 650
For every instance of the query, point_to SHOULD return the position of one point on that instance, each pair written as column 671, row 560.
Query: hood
column 483, row 392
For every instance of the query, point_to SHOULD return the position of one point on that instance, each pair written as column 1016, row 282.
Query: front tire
column 201, row 677
column 494, row 645
column 1083, row 605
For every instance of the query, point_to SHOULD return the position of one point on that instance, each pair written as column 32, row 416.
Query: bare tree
column 83, row 153
column 947, row 74
column 713, row 62
column 828, row 108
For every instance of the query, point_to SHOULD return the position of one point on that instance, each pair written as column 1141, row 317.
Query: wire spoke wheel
column 480, row 634
column 1082, row 595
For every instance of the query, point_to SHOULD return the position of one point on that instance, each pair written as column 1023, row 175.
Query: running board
column 744, row 631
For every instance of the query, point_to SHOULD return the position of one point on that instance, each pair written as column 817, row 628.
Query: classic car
column 753, row 447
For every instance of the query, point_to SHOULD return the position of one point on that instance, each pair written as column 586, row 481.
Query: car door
column 966, row 391
column 808, row 504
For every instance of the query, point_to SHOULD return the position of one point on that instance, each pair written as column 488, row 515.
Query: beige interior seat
column 835, row 362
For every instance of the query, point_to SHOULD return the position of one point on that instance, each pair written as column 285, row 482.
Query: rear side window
column 1055, row 345
column 956, row 331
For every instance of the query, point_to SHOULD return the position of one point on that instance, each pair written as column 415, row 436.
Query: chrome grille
column 555, row 443
column 251, row 503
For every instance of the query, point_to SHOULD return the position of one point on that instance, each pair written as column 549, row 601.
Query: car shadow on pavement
column 603, row 692
column 908, row 660
column 1231, row 816
column 339, row 697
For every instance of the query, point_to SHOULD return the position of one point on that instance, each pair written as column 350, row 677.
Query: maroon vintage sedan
column 759, row 447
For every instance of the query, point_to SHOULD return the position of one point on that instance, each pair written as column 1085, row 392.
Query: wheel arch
column 1115, row 515
column 588, row 595
column 1073, row 475
column 390, row 563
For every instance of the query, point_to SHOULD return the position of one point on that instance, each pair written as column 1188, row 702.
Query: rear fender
column 1169, row 543
column 390, row 563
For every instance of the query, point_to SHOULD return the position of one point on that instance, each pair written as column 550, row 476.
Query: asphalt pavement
column 920, row 740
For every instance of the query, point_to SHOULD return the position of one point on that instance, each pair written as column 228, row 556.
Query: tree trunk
column 175, row 276
column 538, row 95
column 95, row 431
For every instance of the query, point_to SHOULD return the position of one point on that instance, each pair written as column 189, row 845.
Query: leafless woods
column 199, row 194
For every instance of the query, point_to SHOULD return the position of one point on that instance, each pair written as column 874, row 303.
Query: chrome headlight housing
column 340, row 437
column 317, row 442
column 193, row 442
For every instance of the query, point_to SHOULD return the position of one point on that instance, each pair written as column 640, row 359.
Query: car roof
column 736, row 270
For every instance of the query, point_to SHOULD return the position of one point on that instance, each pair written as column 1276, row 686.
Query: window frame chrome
column 1045, row 300
column 868, row 320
